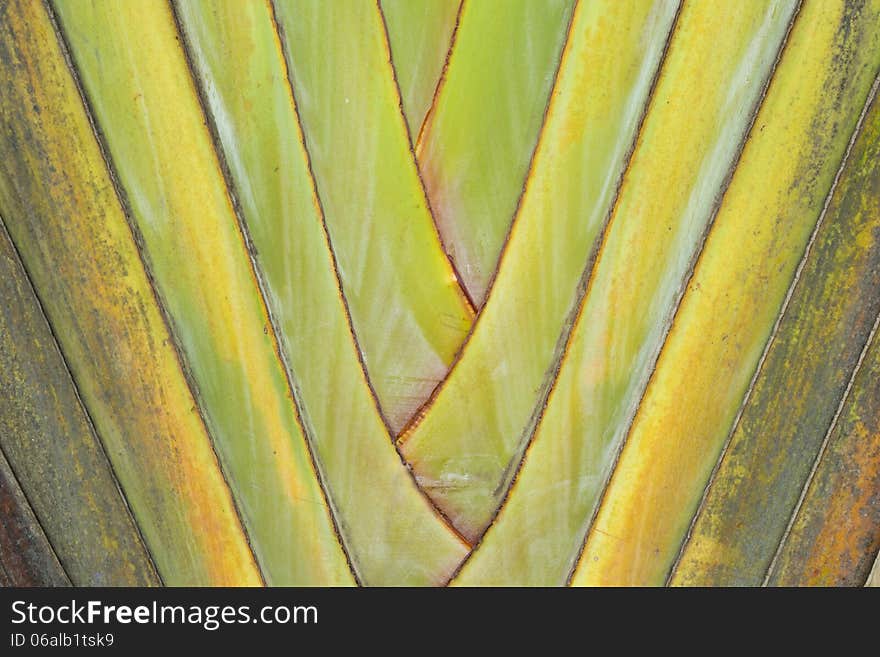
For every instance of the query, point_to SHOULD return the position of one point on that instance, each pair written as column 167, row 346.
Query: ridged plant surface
column 439, row 292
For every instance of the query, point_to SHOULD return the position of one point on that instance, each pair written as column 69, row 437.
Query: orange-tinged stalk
column 728, row 311
column 688, row 143
column 836, row 532
column 802, row 378
column 62, row 212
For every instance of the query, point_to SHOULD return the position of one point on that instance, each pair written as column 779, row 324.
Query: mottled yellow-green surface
column 60, row 208
column 836, row 532
column 688, row 143
column 734, row 297
column 57, row 459
column 799, row 387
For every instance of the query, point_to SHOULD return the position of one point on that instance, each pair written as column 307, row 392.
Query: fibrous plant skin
column 689, row 141
column 64, row 215
column 439, row 292
column 373, row 200
column 49, row 440
column 478, row 138
column 730, row 306
column 465, row 445
column 405, row 543
column 420, row 36
column 169, row 174
column 799, row 389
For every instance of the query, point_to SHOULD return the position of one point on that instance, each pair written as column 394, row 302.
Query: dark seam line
column 821, row 454
column 710, row 483
column 257, row 273
column 88, row 418
column 335, row 264
column 138, row 240
column 469, row 301
column 419, row 414
column 441, row 81
column 583, row 288
column 30, row 507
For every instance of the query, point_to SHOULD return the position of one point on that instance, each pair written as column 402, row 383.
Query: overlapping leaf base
column 439, row 292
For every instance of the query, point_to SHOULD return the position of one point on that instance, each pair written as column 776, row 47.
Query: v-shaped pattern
column 395, row 275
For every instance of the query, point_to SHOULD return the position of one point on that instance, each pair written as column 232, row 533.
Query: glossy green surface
column 479, row 138
column 420, row 33
column 392, row 534
column 407, row 309
column 465, row 449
